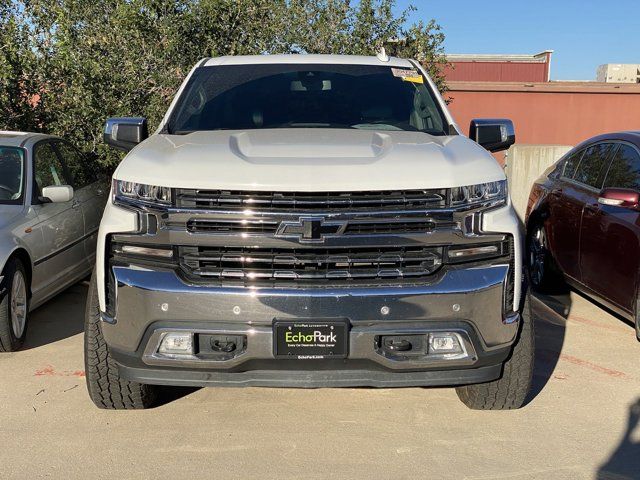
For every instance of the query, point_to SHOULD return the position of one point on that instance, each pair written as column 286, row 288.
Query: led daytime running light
column 139, row 192
column 479, row 193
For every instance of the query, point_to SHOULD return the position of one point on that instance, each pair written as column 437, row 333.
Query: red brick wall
column 550, row 113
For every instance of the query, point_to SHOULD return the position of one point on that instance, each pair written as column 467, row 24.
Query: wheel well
column 22, row 255
column 535, row 217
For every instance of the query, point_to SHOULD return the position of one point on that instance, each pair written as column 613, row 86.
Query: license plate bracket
column 310, row 339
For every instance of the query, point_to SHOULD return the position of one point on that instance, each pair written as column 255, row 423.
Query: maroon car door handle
column 591, row 207
column 556, row 192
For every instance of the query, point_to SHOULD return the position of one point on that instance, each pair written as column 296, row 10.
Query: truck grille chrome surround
column 306, row 240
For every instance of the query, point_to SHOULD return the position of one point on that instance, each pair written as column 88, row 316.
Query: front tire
column 106, row 387
column 14, row 307
column 510, row 391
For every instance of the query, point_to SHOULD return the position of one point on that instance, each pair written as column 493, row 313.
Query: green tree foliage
column 19, row 107
column 67, row 65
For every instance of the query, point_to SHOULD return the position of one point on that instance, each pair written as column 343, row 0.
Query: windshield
column 241, row 97
column 11, row 175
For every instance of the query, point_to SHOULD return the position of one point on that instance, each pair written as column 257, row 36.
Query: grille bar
column 266, row 227
column 298, row 201
column 317, row 264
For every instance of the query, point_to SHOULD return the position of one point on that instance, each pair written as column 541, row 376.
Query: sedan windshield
column 368, row 97
column 11, row 175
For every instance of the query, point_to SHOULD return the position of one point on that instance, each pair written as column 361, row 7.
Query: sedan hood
column 308, row 160
column 8, row 213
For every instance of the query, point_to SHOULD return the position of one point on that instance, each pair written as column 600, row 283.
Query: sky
column 582, row 33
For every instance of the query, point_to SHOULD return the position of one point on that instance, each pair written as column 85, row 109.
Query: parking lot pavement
column 582, row 422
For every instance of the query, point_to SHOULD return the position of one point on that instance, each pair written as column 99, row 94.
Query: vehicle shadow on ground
column 624, row 462
column 59, row 318
column 550, row 314
column 167, row 395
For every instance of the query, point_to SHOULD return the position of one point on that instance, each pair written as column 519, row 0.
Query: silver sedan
column 51, row 204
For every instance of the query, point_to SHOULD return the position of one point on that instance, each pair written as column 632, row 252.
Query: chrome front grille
column 307, row 239
column 309, row 264
column 301, row 202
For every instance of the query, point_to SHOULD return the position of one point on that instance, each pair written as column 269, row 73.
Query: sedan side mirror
column 495, row 135
column 620, row 197
column 124, row 133
column 57, row 193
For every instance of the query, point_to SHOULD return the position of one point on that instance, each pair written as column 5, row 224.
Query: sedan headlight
column 491, row 192
column 132, row 192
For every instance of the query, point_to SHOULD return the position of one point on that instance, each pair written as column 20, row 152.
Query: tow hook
column 397, row 345
column 224, row 346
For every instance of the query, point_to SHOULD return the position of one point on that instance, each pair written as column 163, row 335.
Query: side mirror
column 57, row 193
column 124, row 133
column 495, row 134
column 620, row 197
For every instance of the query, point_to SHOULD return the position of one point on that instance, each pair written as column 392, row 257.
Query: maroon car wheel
column 543, row 273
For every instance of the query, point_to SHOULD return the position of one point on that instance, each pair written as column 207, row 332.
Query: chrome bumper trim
column 471, row 295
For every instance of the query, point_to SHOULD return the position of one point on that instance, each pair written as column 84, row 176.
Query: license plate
column 304, row 340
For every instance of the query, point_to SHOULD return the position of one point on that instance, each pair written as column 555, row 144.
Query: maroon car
column 583, row 223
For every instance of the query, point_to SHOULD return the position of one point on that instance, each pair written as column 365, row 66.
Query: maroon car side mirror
column 620, row 197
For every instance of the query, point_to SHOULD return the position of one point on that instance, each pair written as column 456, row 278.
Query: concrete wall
column 525, row 163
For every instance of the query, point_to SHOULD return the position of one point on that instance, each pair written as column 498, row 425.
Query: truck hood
column 8, row 213
column 308, row 160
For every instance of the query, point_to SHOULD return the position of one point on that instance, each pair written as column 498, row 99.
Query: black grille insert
column 298, row 201
column 332, row 265
column 358, row 227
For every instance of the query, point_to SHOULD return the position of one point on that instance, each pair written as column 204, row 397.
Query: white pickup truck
column 309, row 221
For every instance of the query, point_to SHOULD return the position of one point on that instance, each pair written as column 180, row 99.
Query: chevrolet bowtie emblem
column 312, row 229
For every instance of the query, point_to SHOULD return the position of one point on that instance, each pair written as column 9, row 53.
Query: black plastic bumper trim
column 312, row 378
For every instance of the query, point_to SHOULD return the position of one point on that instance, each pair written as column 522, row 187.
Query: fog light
column 446, row 342
column 179, row 343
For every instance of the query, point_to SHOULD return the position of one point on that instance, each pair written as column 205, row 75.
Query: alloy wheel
column 537, row 255
column 18, row 304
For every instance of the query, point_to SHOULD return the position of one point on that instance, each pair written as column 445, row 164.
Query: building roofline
column 546, row 87
column 498, row 57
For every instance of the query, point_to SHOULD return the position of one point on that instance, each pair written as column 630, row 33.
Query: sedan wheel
column 18, row 304
column 537, row 255
column 14, row 306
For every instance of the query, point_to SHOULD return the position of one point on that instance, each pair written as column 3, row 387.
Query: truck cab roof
column 306, row 59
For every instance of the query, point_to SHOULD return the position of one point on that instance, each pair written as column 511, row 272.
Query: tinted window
column 75, row 163
column 368, row 97
column 625, row 169
column 48, row 169
column 590, row 171
column 571, row 163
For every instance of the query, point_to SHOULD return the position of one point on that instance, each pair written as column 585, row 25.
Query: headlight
column 127, row 192
column 491, row 192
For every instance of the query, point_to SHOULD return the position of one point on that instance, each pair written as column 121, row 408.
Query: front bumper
column 467, row 301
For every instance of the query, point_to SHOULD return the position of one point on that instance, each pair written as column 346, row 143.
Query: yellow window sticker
column 417, row 79
column 408, row 75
